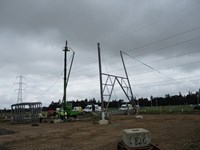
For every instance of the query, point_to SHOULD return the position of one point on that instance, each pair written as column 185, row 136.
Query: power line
column 175, row 56
column 167, row 38
column 155, row 69
column 178, row 66
column 161, row 40
column 149, row 84
column 156, row 42
column 168, row 46
column 9, row 87
column 49, row 87
column 163, row 59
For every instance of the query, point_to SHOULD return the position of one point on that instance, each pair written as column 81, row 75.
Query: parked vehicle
column 68, row 112
column 78, row 109
column 92, row 108
column 126, row 107
column 196, row 107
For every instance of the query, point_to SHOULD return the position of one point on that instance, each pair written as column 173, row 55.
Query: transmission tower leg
column 103, row 121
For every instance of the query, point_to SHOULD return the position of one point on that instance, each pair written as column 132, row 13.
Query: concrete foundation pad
column 101, row 122
column 139, row 117
column 57, row 120
column 136, row 137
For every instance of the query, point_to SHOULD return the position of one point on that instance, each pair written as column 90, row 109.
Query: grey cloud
column 33, row 33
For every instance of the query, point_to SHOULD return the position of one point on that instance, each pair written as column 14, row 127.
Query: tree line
column 189, row 99
column 167, row 100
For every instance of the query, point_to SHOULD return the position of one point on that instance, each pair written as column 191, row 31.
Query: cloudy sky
column 162, row 34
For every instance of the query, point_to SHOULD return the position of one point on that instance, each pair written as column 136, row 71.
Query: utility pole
column 20, row 89
column 156, row 102
column 65, row 76
column 198, row 96
column 132, row 99
column 100, row 78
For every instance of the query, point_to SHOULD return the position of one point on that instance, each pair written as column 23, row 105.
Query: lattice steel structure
column 107, row 86
column 20, row 89
column 109, row 83
column 26, row 112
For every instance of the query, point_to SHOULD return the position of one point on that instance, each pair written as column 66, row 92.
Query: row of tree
column 179, row 99
column 190, row 98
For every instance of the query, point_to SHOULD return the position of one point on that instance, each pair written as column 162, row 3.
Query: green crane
column 66, row 107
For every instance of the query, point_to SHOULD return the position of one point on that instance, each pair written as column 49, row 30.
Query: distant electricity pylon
column 20, row 89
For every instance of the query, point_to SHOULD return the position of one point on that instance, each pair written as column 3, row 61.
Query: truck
column 78, row 109
column 92, row 108
column 126, row 107
column 196, row 107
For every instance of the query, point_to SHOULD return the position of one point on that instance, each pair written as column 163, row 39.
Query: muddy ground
column 169, row 132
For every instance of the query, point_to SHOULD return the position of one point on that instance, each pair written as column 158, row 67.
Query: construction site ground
column 168, row 132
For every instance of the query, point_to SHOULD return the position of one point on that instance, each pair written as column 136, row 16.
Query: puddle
column 5, row 131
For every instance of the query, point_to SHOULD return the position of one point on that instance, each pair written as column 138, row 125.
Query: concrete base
column 139, row 117
column 136, row 137
column 101, row 122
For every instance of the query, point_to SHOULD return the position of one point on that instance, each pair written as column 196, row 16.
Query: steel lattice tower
column 20, row 89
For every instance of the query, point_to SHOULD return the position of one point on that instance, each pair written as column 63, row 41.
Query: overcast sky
column 163, row 34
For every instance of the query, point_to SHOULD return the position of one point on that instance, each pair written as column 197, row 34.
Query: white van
column 88, row 108
column 126, row 107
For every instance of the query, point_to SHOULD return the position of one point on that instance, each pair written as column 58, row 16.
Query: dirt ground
column 169, row 132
